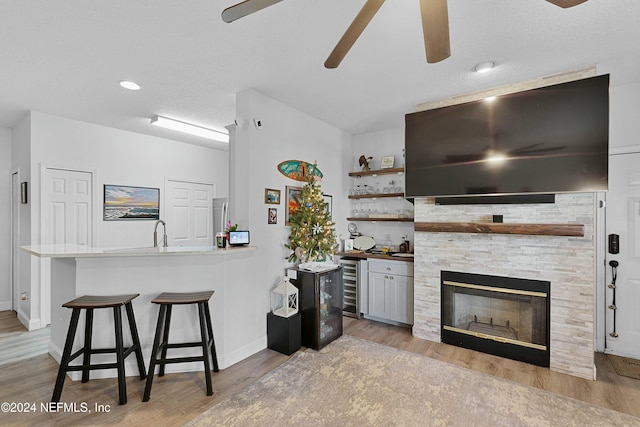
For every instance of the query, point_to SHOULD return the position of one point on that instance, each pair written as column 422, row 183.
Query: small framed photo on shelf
column 273, row 216
column 272, row 196
column 386, row 162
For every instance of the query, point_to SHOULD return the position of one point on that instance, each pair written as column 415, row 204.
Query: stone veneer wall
column 567, row 262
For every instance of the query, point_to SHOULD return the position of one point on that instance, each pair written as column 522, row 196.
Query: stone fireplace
column 563, row 259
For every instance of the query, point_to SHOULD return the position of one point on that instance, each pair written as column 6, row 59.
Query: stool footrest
column 127, row 351
column 93, row 367
column 180, row 360
column 183, row 345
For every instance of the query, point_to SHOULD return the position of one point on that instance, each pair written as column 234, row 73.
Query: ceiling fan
column 435, row 25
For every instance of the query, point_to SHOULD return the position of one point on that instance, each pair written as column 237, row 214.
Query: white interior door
column 66, row 218
column 623, row 219
column 66, row 213
column 189, row 213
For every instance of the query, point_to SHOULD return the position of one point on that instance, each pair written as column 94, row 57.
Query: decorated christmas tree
column 313, row 235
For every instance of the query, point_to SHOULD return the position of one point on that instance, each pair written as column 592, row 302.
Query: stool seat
column 100, row 301
column 89, row 303
column 166, row 301
column 182, row 297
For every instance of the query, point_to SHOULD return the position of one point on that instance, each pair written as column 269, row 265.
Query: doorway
column 15, row 240
column 66, row 218
column 622, row 261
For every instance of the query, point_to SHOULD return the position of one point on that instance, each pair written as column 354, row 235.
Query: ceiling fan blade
column 435, row 26
column 566, row 3
column 350, row 36
column 245, row 8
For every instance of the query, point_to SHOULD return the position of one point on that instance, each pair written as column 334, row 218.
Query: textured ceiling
column 66, row 57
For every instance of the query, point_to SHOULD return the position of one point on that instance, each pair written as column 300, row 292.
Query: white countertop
column 83, row 251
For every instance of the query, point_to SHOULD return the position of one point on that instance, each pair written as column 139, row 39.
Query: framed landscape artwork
column 123, row 202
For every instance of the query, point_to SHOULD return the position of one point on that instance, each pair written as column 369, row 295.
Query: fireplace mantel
column 573, row 230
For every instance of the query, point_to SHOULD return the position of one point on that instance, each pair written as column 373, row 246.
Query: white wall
column 5, row 219
column 286, row 134
column 116, row 157
column 624, row 126
column 123, row 158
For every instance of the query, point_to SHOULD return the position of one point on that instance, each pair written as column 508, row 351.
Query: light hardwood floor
column 178, row 398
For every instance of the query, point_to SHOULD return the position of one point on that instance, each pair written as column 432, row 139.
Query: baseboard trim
column 243, row 352
column 30, row 324
column 5, row 306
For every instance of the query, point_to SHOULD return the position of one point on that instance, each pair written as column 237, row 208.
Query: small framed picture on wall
column 272, row 216
column 272, row 196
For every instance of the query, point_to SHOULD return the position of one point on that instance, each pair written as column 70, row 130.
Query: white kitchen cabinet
column 391, row 291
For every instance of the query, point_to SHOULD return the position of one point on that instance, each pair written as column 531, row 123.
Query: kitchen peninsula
column 238, row 305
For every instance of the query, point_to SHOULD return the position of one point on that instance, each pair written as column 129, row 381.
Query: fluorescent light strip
column 189, row 128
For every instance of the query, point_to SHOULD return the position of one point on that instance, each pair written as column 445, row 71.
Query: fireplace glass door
column 499, row 315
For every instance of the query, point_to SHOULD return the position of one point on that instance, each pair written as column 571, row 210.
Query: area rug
column 353, row 382
column 625, row 366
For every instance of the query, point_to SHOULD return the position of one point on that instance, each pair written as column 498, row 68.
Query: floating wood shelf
column 375, row 196
column 573, row 230
column 380, row 219
column 378, row 172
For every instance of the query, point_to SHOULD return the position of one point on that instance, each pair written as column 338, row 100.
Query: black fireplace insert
column 503, row 316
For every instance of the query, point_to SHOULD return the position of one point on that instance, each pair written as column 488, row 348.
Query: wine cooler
column 320, row 303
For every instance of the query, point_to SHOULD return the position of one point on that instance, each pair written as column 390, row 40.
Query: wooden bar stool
column 89, row 303
column 166, row 300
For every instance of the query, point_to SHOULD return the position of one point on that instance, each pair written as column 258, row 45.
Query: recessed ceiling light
column 483, row 67
column 130, row 85
column 190, row 128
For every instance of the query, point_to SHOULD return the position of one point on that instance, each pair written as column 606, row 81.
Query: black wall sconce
column 24, row 196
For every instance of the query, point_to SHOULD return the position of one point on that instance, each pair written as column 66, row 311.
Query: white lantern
column 284, row 299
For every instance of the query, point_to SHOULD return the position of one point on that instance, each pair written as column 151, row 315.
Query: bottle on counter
column 404, row 246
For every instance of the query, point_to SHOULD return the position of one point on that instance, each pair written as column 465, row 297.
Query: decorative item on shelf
column 312, row 235
column 364, row 162
column 298, row 169
column 230, row 227
column 284, row 301
column 221, row 240
column 272, row 196
column 387, row 162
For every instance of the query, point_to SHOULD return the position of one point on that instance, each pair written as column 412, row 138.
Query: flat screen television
column 552, row 139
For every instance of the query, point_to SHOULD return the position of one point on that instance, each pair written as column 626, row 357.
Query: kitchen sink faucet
column 164, row 235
